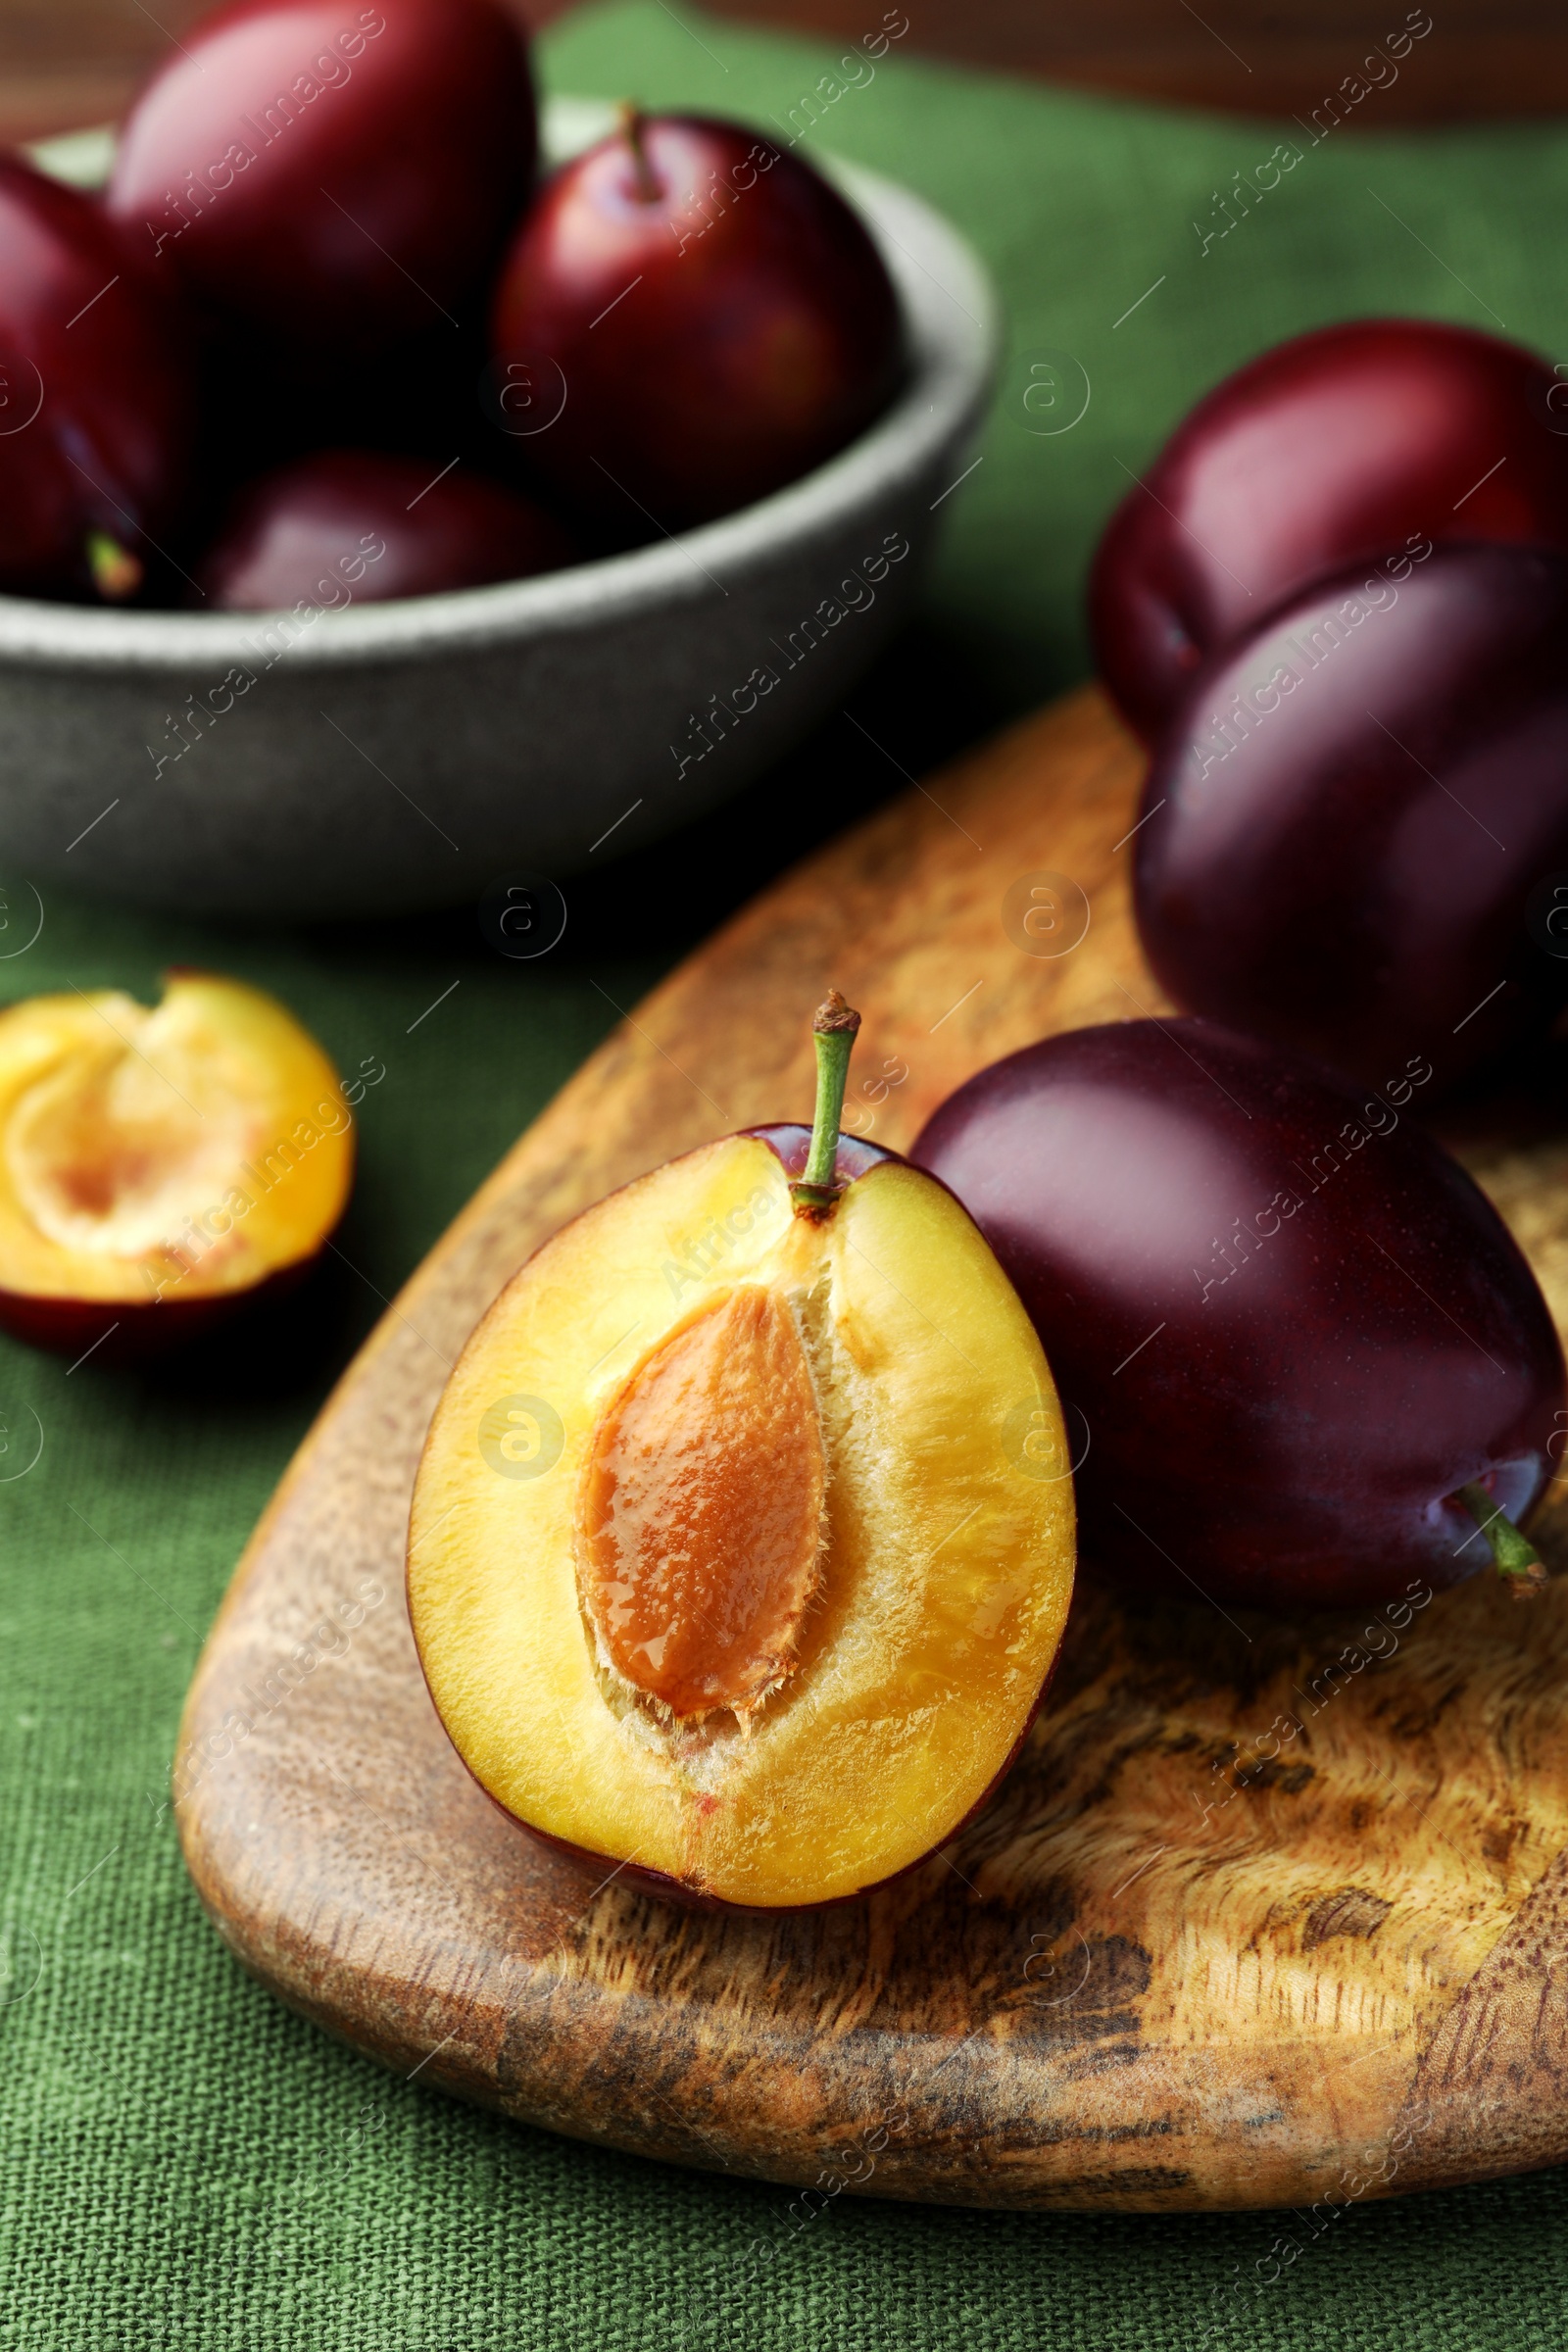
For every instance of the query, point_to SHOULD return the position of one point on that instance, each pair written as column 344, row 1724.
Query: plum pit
column 701, row 1510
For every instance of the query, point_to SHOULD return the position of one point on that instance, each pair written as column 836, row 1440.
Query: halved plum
column 743, row 1542
column 159, row 1165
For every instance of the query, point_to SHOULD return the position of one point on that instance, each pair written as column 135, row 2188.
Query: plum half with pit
column 1355, row 810
column 97, row 398
column 1302, row 1360
column 1342, row 445
column 713, row 313
column 742, row 1543
column 352, row 525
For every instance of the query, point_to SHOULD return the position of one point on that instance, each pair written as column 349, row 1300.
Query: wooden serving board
column 1253, row 1903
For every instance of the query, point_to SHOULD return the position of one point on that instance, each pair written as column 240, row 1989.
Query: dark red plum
column 1353, row 809
column 97, row 398
column 356, row 526
column 331, row 176
column 1294, row 1327
column 715, row 315
column 1339, row 447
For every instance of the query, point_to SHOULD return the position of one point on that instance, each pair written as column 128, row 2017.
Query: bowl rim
column 951, row 318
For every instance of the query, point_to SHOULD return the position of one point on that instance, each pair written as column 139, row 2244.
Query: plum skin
column 331, row 175
column 1340, row 835
column 1336, row 447
column 88, row 334
column 714, row 346
column 287, row 535
column 1290, row 1347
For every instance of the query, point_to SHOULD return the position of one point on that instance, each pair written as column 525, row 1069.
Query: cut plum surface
column 157, row 1163
column 743, row 1542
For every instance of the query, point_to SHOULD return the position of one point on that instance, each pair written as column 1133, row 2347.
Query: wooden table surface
column 69, row 61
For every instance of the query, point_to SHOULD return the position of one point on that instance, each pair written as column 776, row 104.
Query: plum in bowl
column 253, row 757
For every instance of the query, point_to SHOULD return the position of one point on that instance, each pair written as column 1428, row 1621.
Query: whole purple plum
column 1337, row 447
column 1355, row 825
column 1297, row 1349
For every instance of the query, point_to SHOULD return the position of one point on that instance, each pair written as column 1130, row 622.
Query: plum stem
column 834, row 1026
column 632, row 119
column 116, row 572
column 1515, row 1556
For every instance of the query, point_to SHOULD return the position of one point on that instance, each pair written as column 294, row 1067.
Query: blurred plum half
column 159, row 1165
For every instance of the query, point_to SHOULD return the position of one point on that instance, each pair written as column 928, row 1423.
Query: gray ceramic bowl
column 404, row 755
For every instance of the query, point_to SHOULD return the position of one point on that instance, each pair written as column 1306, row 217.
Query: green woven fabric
column 184, row 2164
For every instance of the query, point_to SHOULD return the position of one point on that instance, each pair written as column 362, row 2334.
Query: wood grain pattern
column 1258, row 1899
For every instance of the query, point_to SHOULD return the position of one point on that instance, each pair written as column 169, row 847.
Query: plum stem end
column 116, row 572
column 834, row 1028
column 632, row 121
column 1516, row 1558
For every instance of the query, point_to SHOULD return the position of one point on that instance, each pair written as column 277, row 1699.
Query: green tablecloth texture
column 184, row 2164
